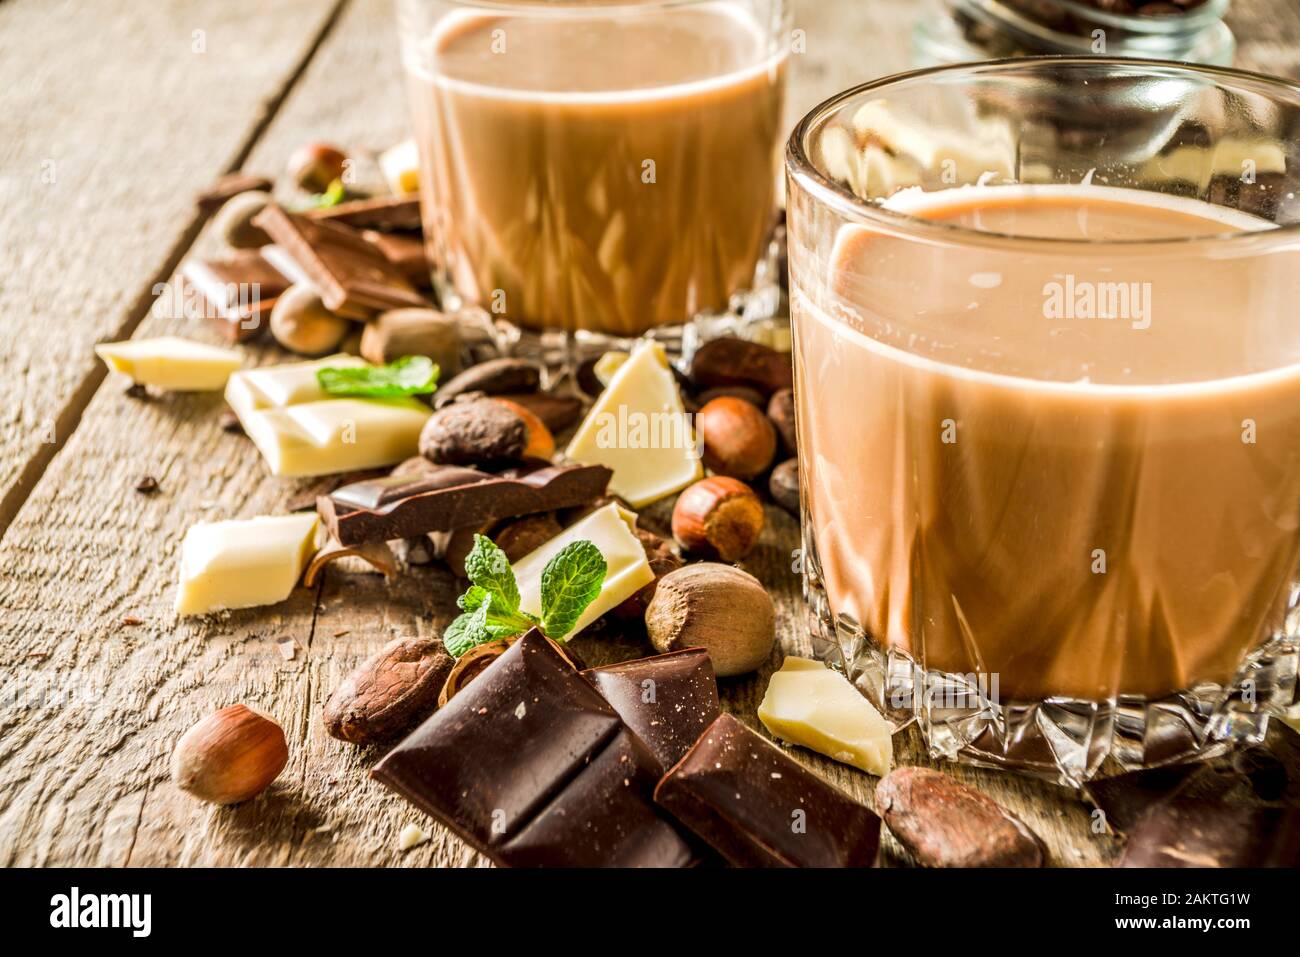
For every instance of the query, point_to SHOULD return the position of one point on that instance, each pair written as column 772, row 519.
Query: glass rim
column 801, row 169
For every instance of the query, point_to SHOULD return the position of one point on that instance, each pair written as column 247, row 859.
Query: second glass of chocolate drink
column 598, row 166
column 1048, row 384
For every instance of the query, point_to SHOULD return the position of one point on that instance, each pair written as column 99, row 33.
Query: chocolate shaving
column 377, row 554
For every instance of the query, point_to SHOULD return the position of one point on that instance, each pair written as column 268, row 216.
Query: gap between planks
column 69, row 417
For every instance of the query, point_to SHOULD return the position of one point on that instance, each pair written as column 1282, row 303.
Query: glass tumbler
column 1047, row 373
column 598, row 167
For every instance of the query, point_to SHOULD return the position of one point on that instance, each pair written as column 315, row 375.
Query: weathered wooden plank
column 83, row 772
column 115, row 114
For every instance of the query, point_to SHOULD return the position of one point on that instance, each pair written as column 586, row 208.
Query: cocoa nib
column 494, row 377
column 731, row 362
column 479, row 432
column 389, row 692
column 943, row 823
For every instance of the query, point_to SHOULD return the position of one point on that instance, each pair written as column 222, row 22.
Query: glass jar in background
column 958, row 31
column 1047, row 381
column 598, row 168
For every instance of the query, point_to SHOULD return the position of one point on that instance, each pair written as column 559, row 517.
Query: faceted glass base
column 757, row 314
column 1065, row 739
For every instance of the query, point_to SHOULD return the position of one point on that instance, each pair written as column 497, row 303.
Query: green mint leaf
column 409, row 375
column 473, row 598
column 488, row 568
column 465, row 632
column 570, row 582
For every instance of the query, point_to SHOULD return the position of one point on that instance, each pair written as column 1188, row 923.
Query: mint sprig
column 409, row 375
column 490, row 607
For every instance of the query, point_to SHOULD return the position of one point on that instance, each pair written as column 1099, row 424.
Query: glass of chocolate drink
column 1048, row 386
column 597, row 167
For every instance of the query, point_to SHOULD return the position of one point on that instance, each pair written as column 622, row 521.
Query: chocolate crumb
column 131, row 620
column 137, row 391
column 230, row 423
column 147, row 484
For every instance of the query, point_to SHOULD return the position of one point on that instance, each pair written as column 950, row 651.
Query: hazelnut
column 718, row 516
column 739, row 439
column 781, row 411
column 484, row 432
column 234, row 221
column 229, row 756
column 413, row 332
column 752, row 396
column 313, row 166
column 719, row 608
column 470, row 665
column 784, row 485
column 301, row 323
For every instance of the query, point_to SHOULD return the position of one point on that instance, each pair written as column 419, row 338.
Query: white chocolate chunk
column 612, row 529
column 242, row 564
column 639, row 428
column 170, row 362
column 401, row 167
column 302, row 431
column 810, row 705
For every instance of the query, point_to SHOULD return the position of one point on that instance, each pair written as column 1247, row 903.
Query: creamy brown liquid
column 1096, row 522
column 535, row 162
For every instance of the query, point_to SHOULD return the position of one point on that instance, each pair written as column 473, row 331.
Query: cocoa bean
column 389, row 692
column 731, row 362
column 557, row 412
column 494, row 377
column 483, row 432
column 943, row 823
column 523, row 535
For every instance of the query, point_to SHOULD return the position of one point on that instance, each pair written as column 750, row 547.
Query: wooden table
column 116, row 112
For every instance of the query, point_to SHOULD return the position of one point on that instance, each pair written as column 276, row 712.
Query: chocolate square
column 354, row 278
column 667, row 700
column 529, row 765
column 759, row 808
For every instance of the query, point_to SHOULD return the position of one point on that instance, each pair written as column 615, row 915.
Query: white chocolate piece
column 401, row 167
column 639, row 428
column 242, row 564
column 810, row 705
column 302, row 431
column 169, row 362
column 612, row 529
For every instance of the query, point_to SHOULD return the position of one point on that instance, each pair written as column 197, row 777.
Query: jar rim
column 1192, row 21
column 801, row 169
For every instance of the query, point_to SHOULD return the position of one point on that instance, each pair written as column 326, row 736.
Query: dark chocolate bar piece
column 227, row 185
column 387, row 214
column 1124, row 798
column 449, row 497
column 759, row 808
column 1189, row 832
column 240, row 290
column 532, row 767
column 354, row 278
column 667, row 700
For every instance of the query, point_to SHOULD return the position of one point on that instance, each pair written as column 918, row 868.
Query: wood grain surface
column 97, row 676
